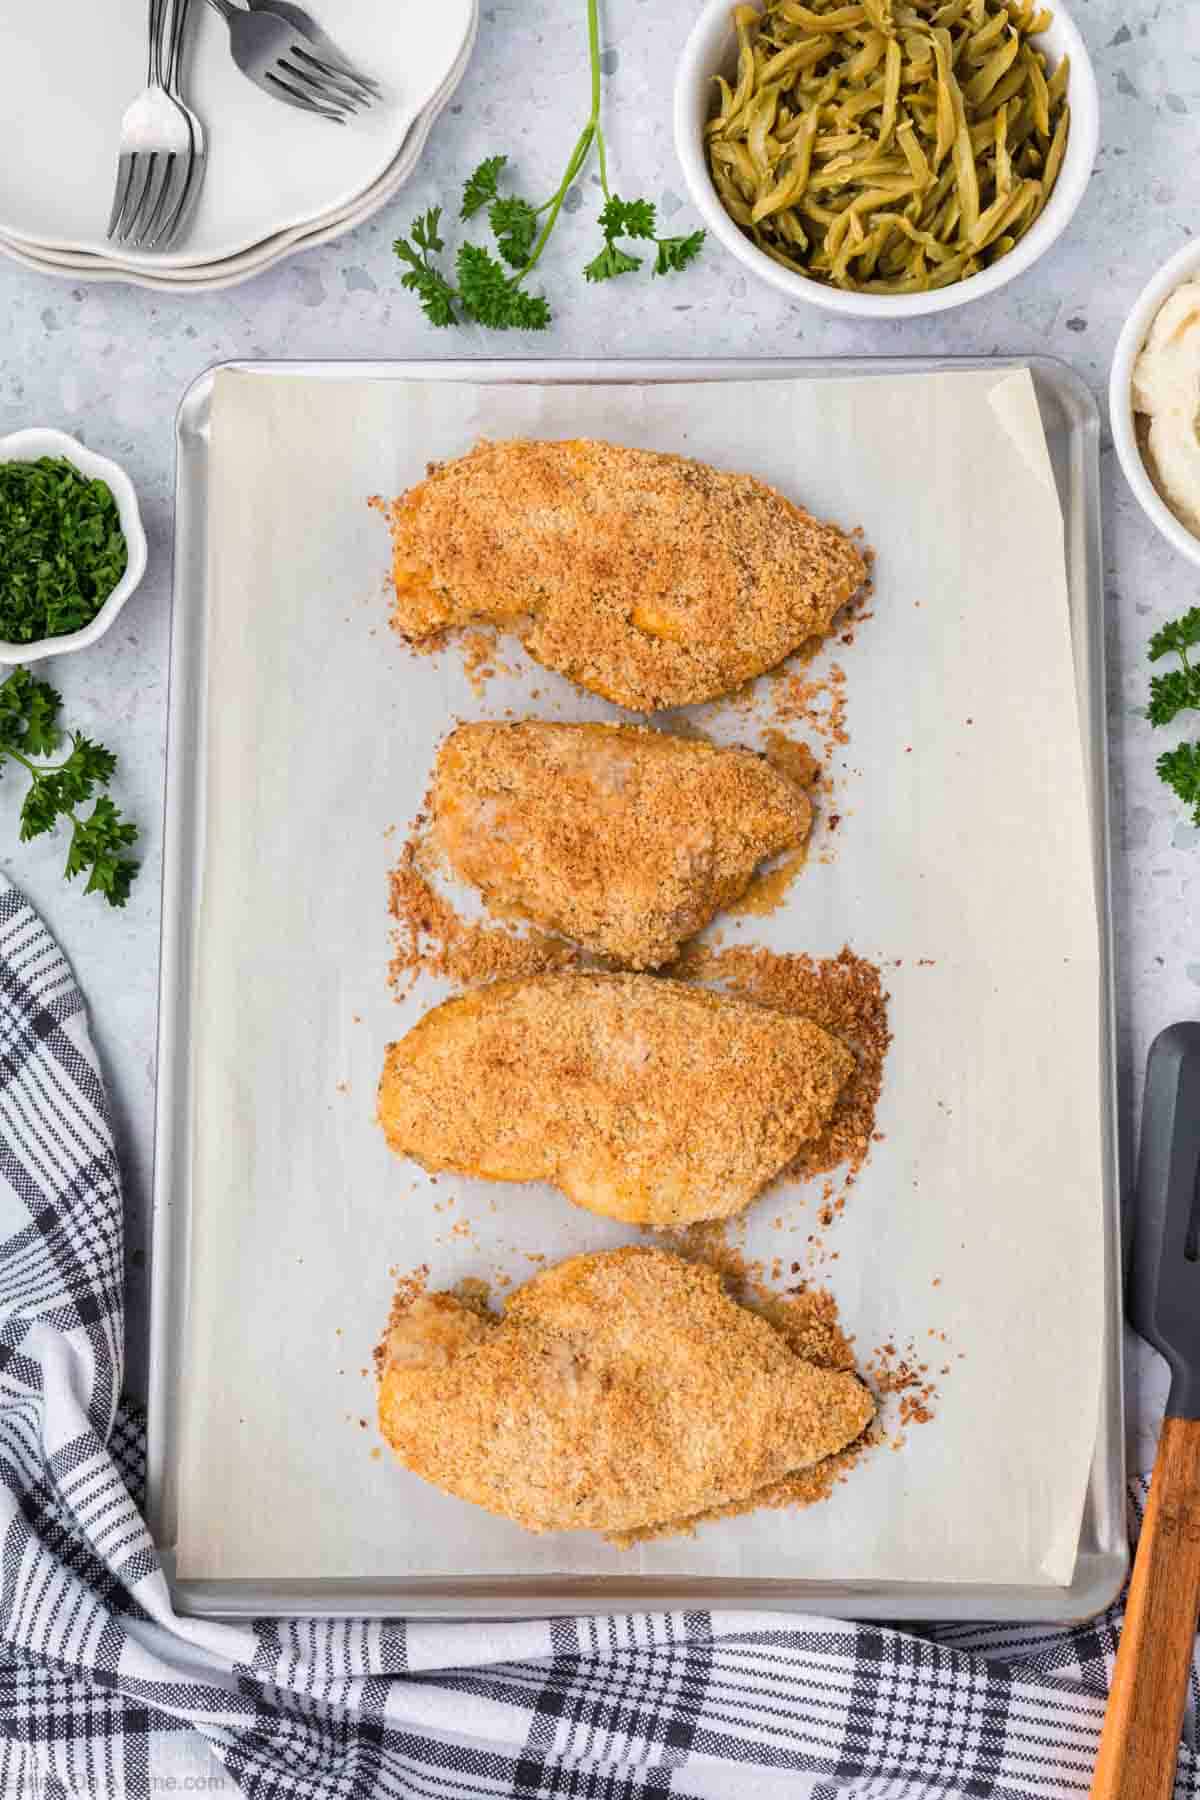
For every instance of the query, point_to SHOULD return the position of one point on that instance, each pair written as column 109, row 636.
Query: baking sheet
column 298, row 1209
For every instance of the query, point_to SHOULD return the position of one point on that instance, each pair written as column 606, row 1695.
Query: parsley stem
column 590, row 134
column 593, row 19
column 26, row 764
column 578, row 158
column 600, row 151
column 38, row 773
column 593, row 22
column 37, row 770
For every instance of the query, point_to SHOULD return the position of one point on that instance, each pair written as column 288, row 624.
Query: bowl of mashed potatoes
column 1154, row 397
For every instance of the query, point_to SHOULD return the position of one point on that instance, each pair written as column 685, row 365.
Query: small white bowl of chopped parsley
column 72, row 548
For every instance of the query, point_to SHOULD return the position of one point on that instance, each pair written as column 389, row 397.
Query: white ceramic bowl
column 1183, row 266
column 711, row 50
column 27, row 446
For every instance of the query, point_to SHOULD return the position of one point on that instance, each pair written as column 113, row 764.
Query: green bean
column 888, row 145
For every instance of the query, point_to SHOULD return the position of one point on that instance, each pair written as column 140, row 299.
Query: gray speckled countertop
column 109, row 363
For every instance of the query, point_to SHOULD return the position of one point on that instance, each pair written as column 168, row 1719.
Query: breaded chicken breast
column 618, row 1390
column 625, row 839
column 643, row 1099
column 650, row 579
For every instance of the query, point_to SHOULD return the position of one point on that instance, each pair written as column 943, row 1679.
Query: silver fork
column 155, row 138
column 321, row 43
column 281, row 61
column 183, row 196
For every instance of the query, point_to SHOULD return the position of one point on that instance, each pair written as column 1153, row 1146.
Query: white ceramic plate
column 229, row 271
column 271, row 170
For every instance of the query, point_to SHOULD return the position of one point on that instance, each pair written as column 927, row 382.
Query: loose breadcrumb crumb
column 430, row 936
column 819, row 703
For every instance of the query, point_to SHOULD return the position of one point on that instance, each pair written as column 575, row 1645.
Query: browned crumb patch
column 409, row 1287
column 430, row 936
column 819, row 703
column 480, row 660
column 792, row 758
column 910, row 1374
column 845, row 995
column 768, row 890
column 474, row 1293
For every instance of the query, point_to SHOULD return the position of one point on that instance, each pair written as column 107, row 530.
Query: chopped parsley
column 62, row 550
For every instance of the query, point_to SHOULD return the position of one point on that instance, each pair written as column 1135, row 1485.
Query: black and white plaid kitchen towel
column 106, row 1693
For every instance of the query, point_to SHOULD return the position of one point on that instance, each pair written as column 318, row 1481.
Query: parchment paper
column 964, row 841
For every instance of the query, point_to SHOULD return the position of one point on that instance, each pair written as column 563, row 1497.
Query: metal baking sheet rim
column 1103, row 1552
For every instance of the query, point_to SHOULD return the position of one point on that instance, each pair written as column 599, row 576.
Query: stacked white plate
column 278, row 180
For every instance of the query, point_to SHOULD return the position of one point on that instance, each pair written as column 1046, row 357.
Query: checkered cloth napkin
column 106, row 1693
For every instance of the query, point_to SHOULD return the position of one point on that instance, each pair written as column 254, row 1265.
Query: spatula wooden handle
column 1140, row 1740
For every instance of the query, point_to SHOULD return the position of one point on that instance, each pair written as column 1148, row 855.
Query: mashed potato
column 1166, row 391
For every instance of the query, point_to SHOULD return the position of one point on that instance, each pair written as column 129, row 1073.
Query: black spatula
column 1145, row 1708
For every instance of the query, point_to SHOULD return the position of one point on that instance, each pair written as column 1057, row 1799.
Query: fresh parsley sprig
column 29, row 733
column 436, row 295
column 636, row 219
column 1175, row 692
column 489, row 286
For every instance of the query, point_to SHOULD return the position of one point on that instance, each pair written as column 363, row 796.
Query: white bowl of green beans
column 837, row 169
column 72, row 547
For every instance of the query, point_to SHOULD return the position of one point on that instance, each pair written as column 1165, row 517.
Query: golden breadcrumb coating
column 617, row 1391
column 651, row 579
column 626, row 840
column 643, row 1099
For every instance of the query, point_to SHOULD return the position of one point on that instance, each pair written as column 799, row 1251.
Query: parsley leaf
column 479, row 189
column 29, row 729
column 491, row 296
column 41, row 735
column 436, row 295
column 28, row 715
column 1180, row 769
column 1177, row 634
column 62, row 550
column 611, row 261
column 426, row 233
column 627, row 218
column 514, row 225
column 636, row 219
column 675, row 253
column 484, row 286
column 96, row 844
column 1172, row 693
column 620, row 218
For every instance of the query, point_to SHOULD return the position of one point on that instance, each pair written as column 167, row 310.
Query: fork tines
column 310, row 81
